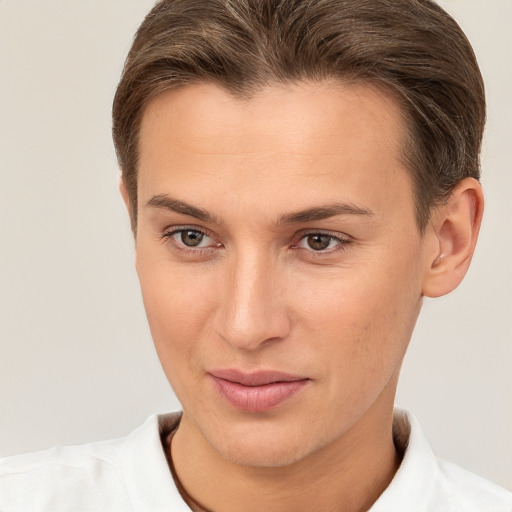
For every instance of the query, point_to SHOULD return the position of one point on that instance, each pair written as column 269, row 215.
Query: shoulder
column 426, row 483
column 129, row 473
column 470, row 491
column 79, row 477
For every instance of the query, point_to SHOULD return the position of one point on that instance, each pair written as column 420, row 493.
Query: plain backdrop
column 76, row 358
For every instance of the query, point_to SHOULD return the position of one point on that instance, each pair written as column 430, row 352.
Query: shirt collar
column 148, row 479
column 415, row 480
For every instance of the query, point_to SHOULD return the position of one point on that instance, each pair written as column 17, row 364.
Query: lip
column 257, row 391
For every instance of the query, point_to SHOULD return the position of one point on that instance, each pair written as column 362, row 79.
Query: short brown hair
column 412, row 47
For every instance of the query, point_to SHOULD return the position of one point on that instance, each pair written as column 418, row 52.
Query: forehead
column 320, row 138
column 301, row 114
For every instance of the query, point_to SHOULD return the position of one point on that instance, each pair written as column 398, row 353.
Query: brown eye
column 191, row 238
column 319, row 242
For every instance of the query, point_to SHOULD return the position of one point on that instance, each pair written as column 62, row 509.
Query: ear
column 124, row 194
column 127, row 202
column 455, row 226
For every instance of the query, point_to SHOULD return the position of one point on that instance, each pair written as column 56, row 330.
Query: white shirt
column 131, row 474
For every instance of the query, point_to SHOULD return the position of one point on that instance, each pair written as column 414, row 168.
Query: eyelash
column 341, row 242
column 168, row 235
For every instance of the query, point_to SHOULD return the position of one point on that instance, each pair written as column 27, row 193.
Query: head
column 299, row 174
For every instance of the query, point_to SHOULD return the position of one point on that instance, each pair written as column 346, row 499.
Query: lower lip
column 258, row 398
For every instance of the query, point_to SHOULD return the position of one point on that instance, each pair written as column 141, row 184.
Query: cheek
column 361, row 324
column 175, row 295
column 177, row 307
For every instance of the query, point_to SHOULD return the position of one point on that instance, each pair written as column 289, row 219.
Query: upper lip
column 258, row 378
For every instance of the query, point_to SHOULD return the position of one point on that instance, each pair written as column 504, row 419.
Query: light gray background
column 76, row 359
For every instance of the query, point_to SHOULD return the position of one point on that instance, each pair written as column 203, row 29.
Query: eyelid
column 169, row 232
column 342, row 239
column 176, row 228
column 327, row 232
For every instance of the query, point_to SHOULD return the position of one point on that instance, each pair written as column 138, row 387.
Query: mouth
column 258, row 391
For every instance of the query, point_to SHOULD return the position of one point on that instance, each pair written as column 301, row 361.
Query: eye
column 319, row 242
column 190, row 238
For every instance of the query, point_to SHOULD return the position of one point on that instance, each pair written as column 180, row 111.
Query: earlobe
column 455, row 226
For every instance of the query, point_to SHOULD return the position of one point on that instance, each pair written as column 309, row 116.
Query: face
column 280, row 262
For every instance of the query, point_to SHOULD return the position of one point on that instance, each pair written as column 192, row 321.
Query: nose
column 252, row 311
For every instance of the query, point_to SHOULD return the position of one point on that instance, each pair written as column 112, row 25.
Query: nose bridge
column 253, row 309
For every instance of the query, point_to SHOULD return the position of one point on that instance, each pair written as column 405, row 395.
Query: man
column 299, row 175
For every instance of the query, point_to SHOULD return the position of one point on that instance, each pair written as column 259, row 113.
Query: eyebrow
column 175, row 205
column 324, row 212
column 311, row 214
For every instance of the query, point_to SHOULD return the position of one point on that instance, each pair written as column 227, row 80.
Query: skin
column 259, row 294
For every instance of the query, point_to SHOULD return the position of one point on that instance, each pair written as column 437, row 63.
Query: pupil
column 191, row 238
column 319, row 242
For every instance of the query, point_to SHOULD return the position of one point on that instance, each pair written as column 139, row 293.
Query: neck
column 348, row 474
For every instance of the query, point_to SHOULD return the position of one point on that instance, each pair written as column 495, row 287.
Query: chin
column 261, row 443
column 265, row 454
